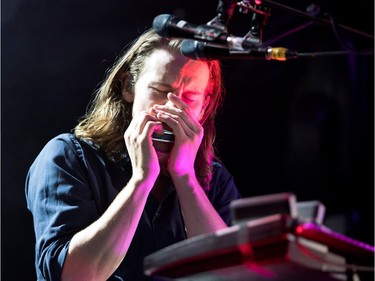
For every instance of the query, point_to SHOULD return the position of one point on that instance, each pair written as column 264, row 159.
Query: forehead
column 173, row 68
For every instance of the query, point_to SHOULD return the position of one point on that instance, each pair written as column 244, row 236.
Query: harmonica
column 167, row 136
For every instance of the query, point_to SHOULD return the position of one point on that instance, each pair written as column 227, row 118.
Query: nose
column 168, row 102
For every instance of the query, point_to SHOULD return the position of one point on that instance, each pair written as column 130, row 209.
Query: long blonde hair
column 109, row 115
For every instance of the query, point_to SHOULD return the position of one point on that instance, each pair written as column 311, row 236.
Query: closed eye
column 159, row 91
column 191, row 96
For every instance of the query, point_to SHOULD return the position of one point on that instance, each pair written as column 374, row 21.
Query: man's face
column 166, row 72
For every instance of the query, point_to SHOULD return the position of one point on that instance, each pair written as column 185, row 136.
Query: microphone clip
column 225, row 10
column 259, row 18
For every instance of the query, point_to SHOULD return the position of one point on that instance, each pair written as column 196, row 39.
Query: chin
column 163, row 147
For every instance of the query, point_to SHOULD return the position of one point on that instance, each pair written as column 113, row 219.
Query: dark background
column 304, row 125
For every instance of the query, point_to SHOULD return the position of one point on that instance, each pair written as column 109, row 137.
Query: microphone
column 171, row 26
column 204, row 51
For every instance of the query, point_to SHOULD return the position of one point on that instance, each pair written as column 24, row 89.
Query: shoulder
column 61, row 141
column 222, row 179
column 65, row 148
column 67, row 143
column 64, row 156
column 220, row 171
column 60, row 145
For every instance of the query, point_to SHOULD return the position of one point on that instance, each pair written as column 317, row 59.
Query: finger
column 172, row 117
column 137, row 125
column 152, row 127
column 177, row 101
column 182, row 127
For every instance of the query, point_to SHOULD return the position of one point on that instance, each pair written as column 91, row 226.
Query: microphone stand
column 314, row 10
column 261, row 15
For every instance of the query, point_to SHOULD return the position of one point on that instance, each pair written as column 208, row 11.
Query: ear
column 126, row 88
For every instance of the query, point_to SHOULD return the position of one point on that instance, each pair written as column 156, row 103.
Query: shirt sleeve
column 60, row 201
column 223, row 191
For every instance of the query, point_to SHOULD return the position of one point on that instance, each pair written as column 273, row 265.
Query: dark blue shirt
column 71, row 184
